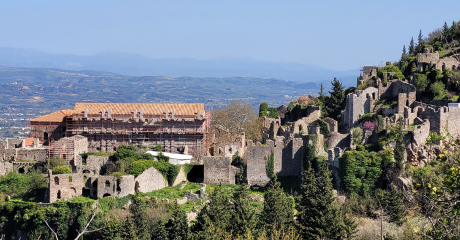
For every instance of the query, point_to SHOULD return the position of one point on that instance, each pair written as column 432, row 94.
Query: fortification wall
column 256, row 162
column 217, row 170
column 433, row 116
column 32, row 154
column 450, row 120
column 428, row 57
column 150, row 180
column 359, row 103
column 421, row 133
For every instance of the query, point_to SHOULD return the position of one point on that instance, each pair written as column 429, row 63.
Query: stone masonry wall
column 93, row 164
column 106, row 186
column 65, row 186
column 256, row 161
column 359, row 103
column 150, row 180
column 217, row 170
column 180, row 177
column 32, row 154
column 5, row 167
column 127, row 185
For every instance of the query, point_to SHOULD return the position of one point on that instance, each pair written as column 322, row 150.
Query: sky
column 339, row 35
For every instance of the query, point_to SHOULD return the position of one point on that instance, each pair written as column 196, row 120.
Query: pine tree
column 411, row 47
column 130, row 231
column 336, row 102
column 445, row 28
column 277, row 209
column 218, row 212
column 243, row 213
column 160, row 231
column 177, row 226
column 138, row 209
column 318, row 215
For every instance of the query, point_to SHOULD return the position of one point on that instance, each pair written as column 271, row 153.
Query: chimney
column 24, row 143
column 142, row 113
column 134, row 113
column 103, row 113
column 36, row 142
column 173, row 112
column 109, row 113
column 86, row 113
column 199, row 113
column 166, row 113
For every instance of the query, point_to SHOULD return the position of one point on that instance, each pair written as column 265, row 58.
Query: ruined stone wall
column 278, row 151
column 180, row 177
column 65, row 186
column 359, row 103
column 14, row 143
column 9, row 154
column 256, row 157
column 421, row 133
column 450, row 121
column 127, row 185
column 410, row 114
column 428, row 57
column 222, row 143
column 5, row 167
column 217, row 170
column 93, row 164
column 333, row 124
column 448, row 63
column 339, row 140
column 393, row 90
column 433, row 116
column 32, row 154
column 150, row 180
column 106, row 186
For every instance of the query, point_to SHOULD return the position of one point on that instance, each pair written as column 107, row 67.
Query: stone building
column 68, row 147
column 178, row 127
column 431, row 58
column 223, row 143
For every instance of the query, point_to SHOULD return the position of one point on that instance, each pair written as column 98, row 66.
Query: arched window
column 56, row 180
column 59, row 194
column 21, row 170
column 85, row 171
column 73, row 191
column 107, row 183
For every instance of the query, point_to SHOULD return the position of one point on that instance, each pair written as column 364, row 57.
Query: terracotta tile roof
column 55, row 117
column 181, row 109
column 30, row 141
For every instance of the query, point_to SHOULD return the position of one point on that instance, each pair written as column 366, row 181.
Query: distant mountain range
column 138, row 65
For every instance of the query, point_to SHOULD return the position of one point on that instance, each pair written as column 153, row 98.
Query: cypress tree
column 263, row 108
column 130, row 231
column 218, row 212
column 138, row 209
column 177, row 226
column 160, row 232
column 411, row 47
column 421, row 43
column 336, row 102
column 404, row 54
column 277, row 209
column 318, row 215
column 394, row 206
column 243, row 214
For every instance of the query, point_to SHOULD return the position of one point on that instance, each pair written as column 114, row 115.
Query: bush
column 270, row 165
column 56, row 161
column 369, row 126
column 61, row 170
column 323, row 127
column 167, row 170
column 125, row 152
column 439, row 90
column 421, row 82
column 357, row 134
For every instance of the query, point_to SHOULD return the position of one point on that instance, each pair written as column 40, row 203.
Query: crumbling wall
column 223, row 143
column 64, row 186
column 217, row 170
column 93, row 164
column 150, row 180
column 359, row 103
column 256, row 157
column 421, row 133
column 448, row 63
column 5, row 167
column 127, row 185
column 180, row 177
column 106, row 186
column 32, row 154
column 332, row 123
column 450, row 121
column 336, row 139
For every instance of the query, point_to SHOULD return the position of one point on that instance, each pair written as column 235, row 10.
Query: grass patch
column 172, row 192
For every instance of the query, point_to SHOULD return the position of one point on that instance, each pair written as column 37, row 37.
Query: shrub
column 167, row 170
column 270, row 165
column 56, row 161
column 357, row 134
column 125, row 152
column 61, row 170
column 439, row 90
column 421, row 82
column 323, row 127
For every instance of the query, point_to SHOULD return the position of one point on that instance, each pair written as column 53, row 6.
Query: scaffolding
column 175, row 133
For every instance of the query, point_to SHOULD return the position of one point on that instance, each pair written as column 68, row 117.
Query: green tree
column 177, row 226
column 318, row 215
column 439, row 90
column 160, row 232
column 404, row 54
column 138, row 210
column 421, row 82
column 277, row 209
column 130, row 230
column 263, row 108
column 420, row 43
column 394, row 206
column 243, row 214
column 336, row 102
column 411, row 47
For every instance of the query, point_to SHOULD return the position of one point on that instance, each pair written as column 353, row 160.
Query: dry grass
column 369, row 229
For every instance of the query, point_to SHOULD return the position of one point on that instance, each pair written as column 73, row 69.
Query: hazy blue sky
column 339, row 35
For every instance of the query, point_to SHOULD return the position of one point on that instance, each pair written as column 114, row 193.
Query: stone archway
column 21, row 170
